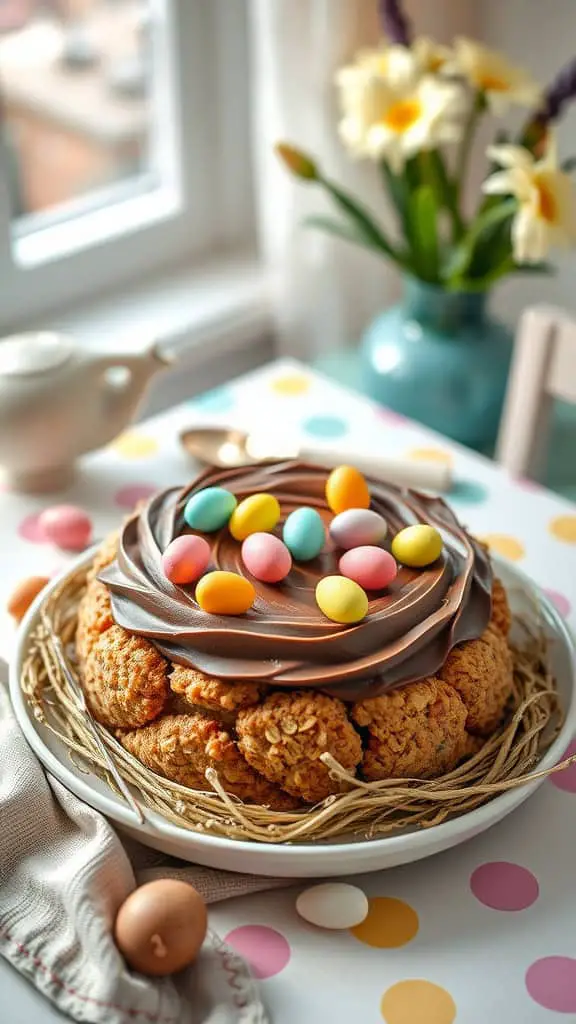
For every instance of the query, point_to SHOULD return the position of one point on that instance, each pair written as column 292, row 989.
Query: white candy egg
column 334, row 905
column 357, row 527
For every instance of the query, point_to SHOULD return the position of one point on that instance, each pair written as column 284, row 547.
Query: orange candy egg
column 346, row 488
column 225, row 593
column 22, row 596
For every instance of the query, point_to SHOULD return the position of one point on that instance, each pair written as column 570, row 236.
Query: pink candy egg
column 371, row 567
column 67, row 526
column 266, row 557
column 185, row 559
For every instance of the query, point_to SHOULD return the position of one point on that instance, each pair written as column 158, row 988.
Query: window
column 123, row 144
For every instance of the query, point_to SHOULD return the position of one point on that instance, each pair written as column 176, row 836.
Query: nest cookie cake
column 407, row 692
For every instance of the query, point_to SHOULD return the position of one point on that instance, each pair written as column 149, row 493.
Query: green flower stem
column 479, row 231
column 368, row 232
column 434, row 173
column 476, row 111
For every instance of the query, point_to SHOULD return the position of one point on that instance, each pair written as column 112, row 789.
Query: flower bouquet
column 414, row 107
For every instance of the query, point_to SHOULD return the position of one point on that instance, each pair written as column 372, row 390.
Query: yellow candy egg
column 257, row 514
column 225, row 593
column 341, row 600
column 346, row 488
column 417, row 546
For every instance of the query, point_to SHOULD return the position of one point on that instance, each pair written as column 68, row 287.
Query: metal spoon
column 227, row 447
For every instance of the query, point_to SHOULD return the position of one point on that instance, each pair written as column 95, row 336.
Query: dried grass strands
column 367, row 809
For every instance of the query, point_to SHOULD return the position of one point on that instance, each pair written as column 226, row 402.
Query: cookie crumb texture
column 284, row 737
column 266, row 745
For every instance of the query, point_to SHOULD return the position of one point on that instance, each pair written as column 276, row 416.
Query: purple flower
column 559, row 93
column 394, row 22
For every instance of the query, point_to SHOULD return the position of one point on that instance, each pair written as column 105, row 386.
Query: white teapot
column 59, row 400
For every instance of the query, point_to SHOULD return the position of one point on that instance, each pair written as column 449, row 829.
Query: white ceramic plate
column 306, row 860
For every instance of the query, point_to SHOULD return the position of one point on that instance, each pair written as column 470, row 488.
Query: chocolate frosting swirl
column 284, row 639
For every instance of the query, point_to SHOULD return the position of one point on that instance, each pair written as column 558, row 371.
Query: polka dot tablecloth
column 485, row 932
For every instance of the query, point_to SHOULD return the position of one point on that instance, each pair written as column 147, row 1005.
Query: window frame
column 204, row 204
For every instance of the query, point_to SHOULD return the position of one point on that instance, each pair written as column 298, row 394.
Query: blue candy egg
column 210, row 509
column 304, row 534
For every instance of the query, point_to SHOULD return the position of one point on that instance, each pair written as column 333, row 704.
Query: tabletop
column 482, row 932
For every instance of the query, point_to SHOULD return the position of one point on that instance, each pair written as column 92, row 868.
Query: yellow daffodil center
column 402, row 115
column 435, row 63
column 547, row 205
column 493, row 83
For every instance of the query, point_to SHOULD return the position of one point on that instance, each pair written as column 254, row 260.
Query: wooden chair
column 543, row 368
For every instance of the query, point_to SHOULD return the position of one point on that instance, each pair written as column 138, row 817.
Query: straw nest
column 508, row 759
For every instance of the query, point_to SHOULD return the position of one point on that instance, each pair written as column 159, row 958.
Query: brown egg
column 23, row 595
column 161, row 926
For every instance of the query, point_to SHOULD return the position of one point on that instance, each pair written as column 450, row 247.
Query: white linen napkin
column 64, row 873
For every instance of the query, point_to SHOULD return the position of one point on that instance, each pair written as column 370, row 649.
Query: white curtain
column 325, row 290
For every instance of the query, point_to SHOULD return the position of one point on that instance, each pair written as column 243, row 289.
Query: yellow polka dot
column 503, row 544
column 293, row 384
column 431, row 455
column 417, row 1002
column 564, row 528
column 134, row 446
column 390, row 923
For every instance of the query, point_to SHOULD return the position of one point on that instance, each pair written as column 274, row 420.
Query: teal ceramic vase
column 440, row 358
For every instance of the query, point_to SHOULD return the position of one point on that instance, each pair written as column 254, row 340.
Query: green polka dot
column 325, row 426
column 217, row 400
column 468, row 492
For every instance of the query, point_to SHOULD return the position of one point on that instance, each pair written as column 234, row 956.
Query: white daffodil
column 397, row 64
column 431, row 57
column 547, row 207
column 394, row 118
column 502, row 83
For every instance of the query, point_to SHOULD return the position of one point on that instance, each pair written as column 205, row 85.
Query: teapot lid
column 35, row 352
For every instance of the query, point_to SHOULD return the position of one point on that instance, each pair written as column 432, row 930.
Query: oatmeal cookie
column 94, row 617
column 501, row 614
column 417, row 731
column 125, row 679
column 217, row 695
column 105, row 554
column 284, row 736
column 481, row 671
column 182, row 747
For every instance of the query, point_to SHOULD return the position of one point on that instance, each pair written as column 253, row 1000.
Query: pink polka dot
column 504, row 886
column 389, row 416
column 265, row 949
column 560, row 601
column 30, row 529
column 551, row 982
column 566, row 779
column 127, row 497
column 528, row 485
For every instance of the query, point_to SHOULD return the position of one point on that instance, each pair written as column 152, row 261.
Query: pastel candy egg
column 417, row 546
column 22, row 596
column 257, row 514
column 371, row 567
column 209, row 509
column 67, row 526
column 334, row 905
column 357, row 526
column 185, row 559
column 341, row 599
column 225, row 593
column 346, row 488
column 304, row 534
column 266, row 557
